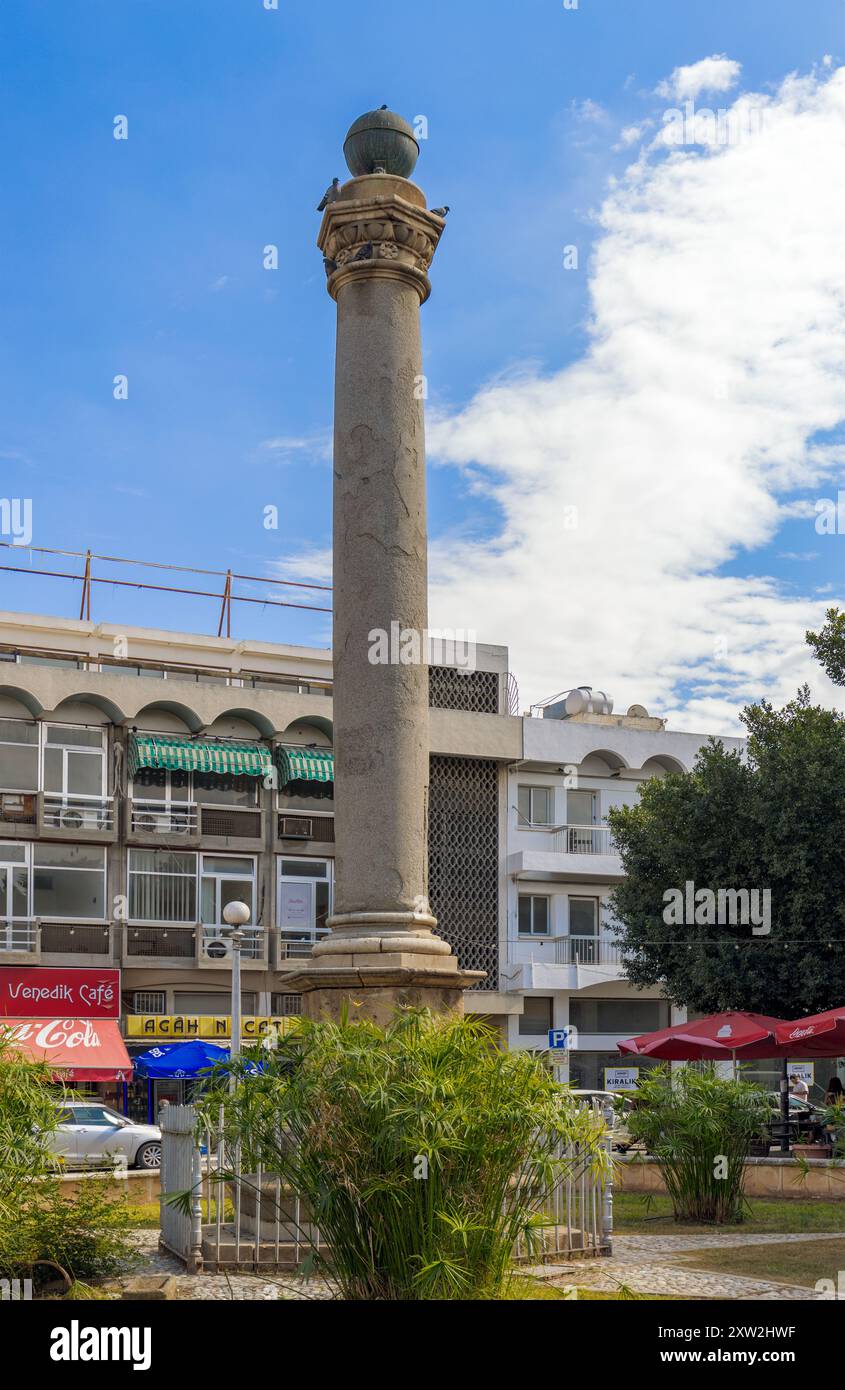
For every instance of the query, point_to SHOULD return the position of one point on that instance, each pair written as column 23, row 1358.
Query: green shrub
column 701, row 1127
column 86, row 1235
column 422, row 1151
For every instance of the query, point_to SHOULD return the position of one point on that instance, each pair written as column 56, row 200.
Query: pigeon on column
column 331, row 195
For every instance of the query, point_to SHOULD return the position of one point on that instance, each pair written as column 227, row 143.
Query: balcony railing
column 295, row 945
column 163, row 818
column 72, row 939
column 61, row 812
column 567, row 950
column 216, row 945
column 583, row 839
column 19, row 935
column 175, row 943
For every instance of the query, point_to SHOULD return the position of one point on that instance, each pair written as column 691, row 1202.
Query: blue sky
column 144, row 257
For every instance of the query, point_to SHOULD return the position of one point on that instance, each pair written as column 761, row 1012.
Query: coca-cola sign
column 39, row 992
column 56, row 1032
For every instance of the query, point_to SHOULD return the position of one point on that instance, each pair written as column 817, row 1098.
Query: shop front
column 69, row 1019
column 148, row 1093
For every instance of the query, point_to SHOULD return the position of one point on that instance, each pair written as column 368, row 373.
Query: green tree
column 829, row 645
column 775, row 821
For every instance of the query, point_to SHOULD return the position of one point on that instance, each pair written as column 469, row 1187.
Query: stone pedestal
column 378, row 240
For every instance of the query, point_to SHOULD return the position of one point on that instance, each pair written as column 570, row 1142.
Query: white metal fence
column 249, row 1220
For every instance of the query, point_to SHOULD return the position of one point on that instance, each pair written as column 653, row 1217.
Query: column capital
column 379, row 228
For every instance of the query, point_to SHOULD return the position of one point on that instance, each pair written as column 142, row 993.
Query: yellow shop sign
column 180, row 1027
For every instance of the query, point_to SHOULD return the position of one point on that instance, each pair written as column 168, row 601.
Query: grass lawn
column 633, row 1215
column 797, row 1262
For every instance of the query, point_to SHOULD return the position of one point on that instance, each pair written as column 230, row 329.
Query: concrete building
column 579, row 760
column 147, row 778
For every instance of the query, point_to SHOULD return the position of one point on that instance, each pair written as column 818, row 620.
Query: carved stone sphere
column 381, row 141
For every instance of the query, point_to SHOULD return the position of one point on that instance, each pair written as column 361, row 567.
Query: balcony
column 19, row 941
column 75, row 943
column 18, row 815
column 562, row 962
column 575, row 853
column 294, row 946
column 165, row 824
column 66, row 817
column 226, row 826
column 158, row 945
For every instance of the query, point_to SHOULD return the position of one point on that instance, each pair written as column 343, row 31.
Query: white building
column 579, row 760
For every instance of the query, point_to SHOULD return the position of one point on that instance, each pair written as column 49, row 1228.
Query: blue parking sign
column 559, row 1039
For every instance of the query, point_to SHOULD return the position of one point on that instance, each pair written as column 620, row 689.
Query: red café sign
column 39, row 992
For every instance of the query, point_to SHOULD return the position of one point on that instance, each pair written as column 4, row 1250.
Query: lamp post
column 236, row 915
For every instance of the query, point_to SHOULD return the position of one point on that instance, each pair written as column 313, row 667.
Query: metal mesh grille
column 449, row 687
column 243, row 825
column 463, row 846
column 75, row 941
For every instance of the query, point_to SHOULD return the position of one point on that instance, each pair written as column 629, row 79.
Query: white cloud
column 313, row 564
column 630, row 135
column 717, row 349
column 716, row 74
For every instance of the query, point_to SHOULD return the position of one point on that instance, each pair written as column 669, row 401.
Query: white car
column 91, row 1135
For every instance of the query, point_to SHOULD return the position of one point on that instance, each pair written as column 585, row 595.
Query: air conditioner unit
column 217, row 949
column 70, row 818
column 149, row 823
column 180, row 823
column 296, row 828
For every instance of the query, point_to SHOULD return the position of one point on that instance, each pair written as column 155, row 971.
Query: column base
column 376, row 992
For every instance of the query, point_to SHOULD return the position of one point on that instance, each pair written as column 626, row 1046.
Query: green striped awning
column 192, row 755
column 305, row 765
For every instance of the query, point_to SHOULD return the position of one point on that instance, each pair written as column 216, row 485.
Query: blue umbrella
column 189, row 1060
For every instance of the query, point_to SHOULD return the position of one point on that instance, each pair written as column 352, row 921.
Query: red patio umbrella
column 819, row 1035
column 717, row 1037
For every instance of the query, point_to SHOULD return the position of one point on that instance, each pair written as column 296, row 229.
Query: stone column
column 378, row 240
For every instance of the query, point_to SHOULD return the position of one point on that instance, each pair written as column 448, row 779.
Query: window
column 625, row 1017
column 90, row 1115
column 162, row 886
column 583, row 916
column 535, row 805
column 69, row 881
column 285, row 1005
column 157, row 784
column 587, row 1069
column 537, row 1015
column 533, row 915
column 305, row 894
column 149, row 1001
column 18, row 756
column 581, row 808
column 74, row 761
column 225, row 879
column 14, row 880
column 221, row 789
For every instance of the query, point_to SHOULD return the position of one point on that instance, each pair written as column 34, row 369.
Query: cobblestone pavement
column 666, row 1265
column 225, row 1287
column 644, row 1264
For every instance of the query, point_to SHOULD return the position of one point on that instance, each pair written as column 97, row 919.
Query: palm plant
column 701, row 1127
column 422, row 1152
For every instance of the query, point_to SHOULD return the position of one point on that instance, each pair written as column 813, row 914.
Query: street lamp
column 236, row 915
